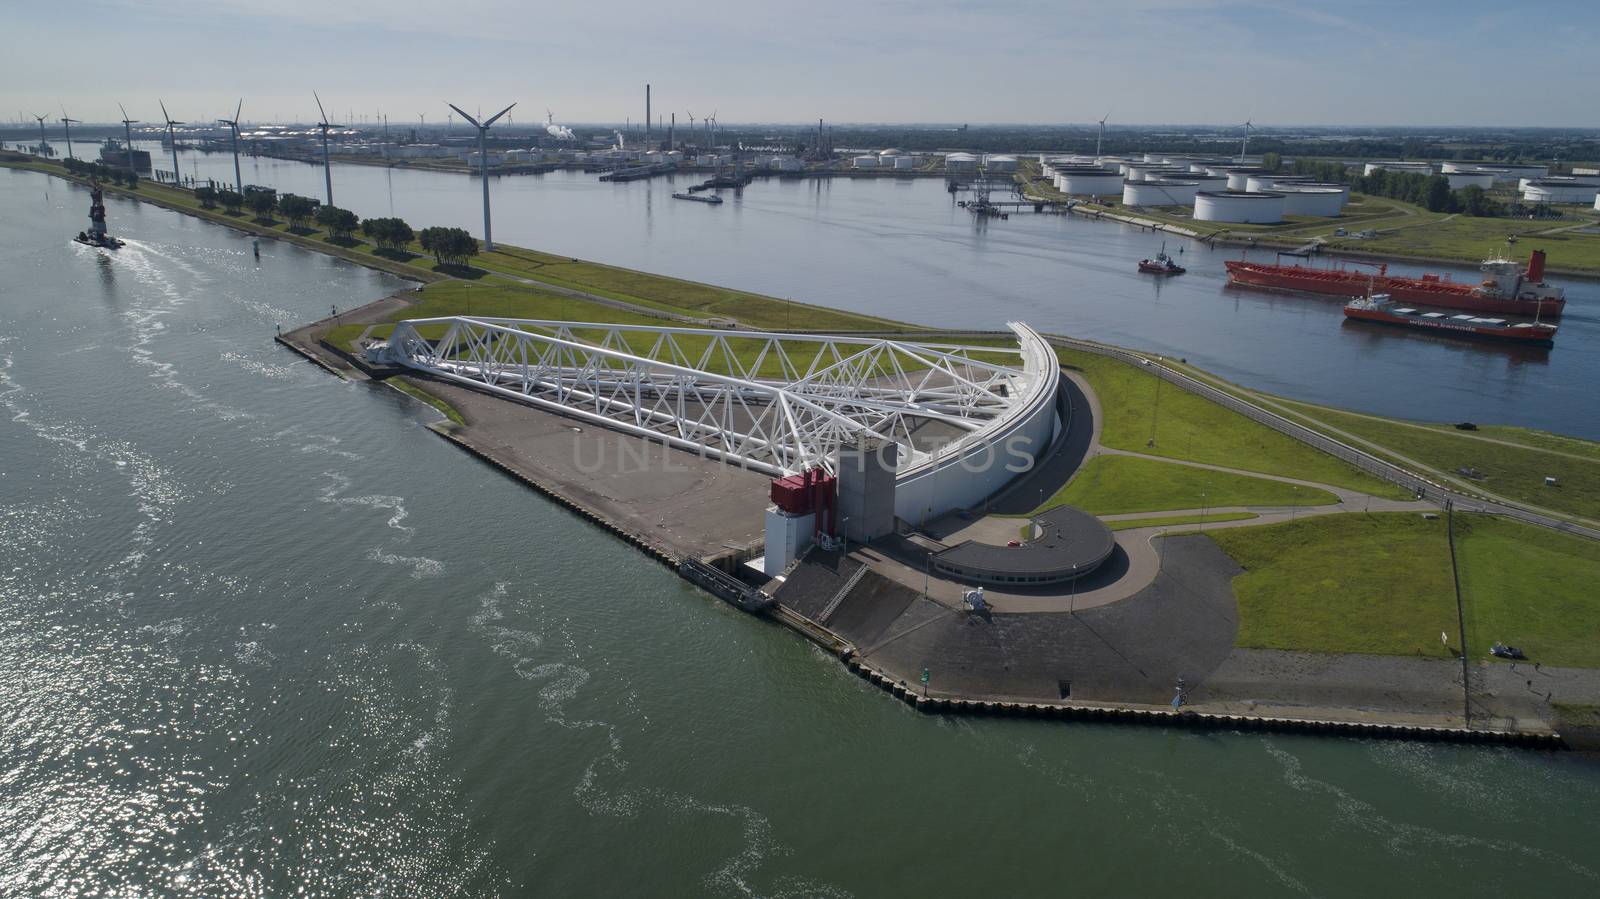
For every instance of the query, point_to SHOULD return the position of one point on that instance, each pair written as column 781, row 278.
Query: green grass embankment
column 1530, row 588
column 1382, row 584
column 1113, row 485
column 1194, row 429
column 1510, row 462
column 1171, row 520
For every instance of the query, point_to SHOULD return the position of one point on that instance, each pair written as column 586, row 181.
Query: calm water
column 261, row 631
column 902, row 249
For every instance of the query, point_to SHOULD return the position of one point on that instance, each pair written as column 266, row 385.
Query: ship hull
column 1522, row 336
column 1336, row 282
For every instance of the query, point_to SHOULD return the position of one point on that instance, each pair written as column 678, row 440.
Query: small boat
column 698, row 198
column 97, row 236
column 1380, row 308
column 1161, row 265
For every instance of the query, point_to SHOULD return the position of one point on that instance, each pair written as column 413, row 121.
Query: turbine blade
column 238, row 109
column 497, row 115
column 324, row 112
column 164, row 114
column 464, row 115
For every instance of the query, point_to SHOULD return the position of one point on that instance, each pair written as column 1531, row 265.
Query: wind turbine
column 327, row 170
column 67, row 124
column 44, row 146
column 233, row 126
column 483, row 166
column 171, row 141
column 127, row 133
column 1102, row 137
column 1246, row 144
column 713, row 121
column 691, row 124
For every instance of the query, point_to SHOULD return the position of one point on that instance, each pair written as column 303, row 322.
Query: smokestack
column 670, row 129
column 647, row 119
column 1536, row 267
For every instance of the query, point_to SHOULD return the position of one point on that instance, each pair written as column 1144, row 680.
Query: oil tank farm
column 1239, row 208
column 1218, row 183
column 1549, row 190
column 1159, row 193
column 869, row 161
column 1318, row 201
column 961, row 164
column 1239, row 178
column 1258, row 183
column 1088, row 181
column 1150, row 171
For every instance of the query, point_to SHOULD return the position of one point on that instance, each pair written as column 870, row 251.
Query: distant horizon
column 246, row 122
column 1428, row 64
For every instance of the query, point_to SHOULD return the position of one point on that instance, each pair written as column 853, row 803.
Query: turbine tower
column 44, row 146
column 1246, row 144
column 127, row 133
column 171, row 142
column 67, row 124
column 327, row 170
column 1102, row 137
column 483, row 166
column 233, row 125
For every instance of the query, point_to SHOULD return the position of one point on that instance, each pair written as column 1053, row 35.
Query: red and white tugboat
column 1161, row 265
column 96, row 236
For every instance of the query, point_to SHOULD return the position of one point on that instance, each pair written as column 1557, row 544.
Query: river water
column 902, row 249
column 261, row 631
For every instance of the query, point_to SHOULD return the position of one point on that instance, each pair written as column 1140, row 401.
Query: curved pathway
column 1139, row 559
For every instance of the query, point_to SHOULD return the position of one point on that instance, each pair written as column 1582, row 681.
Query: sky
column 1371, row 62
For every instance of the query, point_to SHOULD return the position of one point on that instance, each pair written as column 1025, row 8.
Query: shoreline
column 308, row 342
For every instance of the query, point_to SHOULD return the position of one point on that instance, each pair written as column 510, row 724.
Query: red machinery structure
column 812, row 490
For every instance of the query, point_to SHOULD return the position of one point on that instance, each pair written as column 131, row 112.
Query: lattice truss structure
column 777, row 403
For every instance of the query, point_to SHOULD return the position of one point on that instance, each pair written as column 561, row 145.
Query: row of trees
column 449, row 246
column 1429, row 191
column 95, row 170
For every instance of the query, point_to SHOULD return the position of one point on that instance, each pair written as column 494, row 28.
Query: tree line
column 448, row 246
column 124, row 177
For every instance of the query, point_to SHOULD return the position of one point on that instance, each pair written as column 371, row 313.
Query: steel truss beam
column 778, row 403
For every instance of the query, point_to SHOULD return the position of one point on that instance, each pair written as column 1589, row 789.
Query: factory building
column 1547, row 190
column 1239, row 208
column 1317, row 201
column 1394, row 165
column 1159, row 193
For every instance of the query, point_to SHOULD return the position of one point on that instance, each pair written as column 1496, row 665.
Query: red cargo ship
column 1383, row 309
column 1507, row 288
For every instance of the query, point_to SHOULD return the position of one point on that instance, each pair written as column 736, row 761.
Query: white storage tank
column 1240, row 208
column 1257, row 183
column 1239, row 178
column 904, row 163
column 1091, row 182
column 786, row 164
column 865, row 162
column 1318, row 201
column 1597, row 203
column 964, row 163
column 1521, row 171
column 1159, row 193
column 1466, row 178
column 1551, row 191
column 1000, row 163
column 1216, row 183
